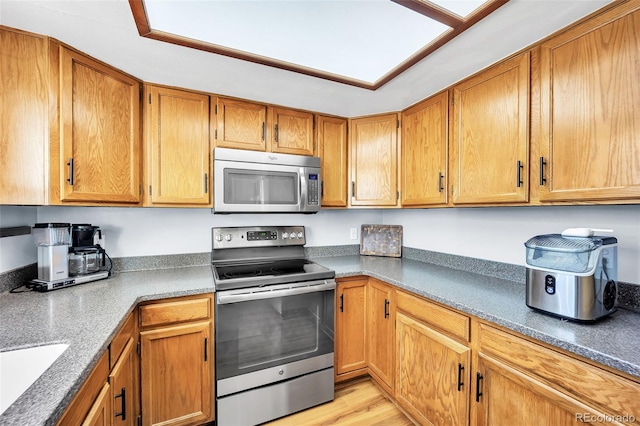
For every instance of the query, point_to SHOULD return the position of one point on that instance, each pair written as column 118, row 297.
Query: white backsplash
column 491, row 233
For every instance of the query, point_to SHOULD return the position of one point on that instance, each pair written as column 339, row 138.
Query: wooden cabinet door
column 99, row 156
column 241, row 125
column 432, row 381
column 490, row 135
column 380, row 334
column 351, row 326
column 177, row 148
column 505, row 396
column 23, row 117
column 100, row 412
column 373, row 161
column 124, row 388
column 332, row 150
column 176, row 374
column 292, row 131
column 425, row 141
column 590, row 110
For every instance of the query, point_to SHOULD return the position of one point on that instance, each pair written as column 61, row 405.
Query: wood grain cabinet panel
column 292, row 131
column 490, row 135
column 373, row 161
column 240, row 124
column 590, row 110
column 432, row 377
column 125, row 399
column 333, row 153
column 99, row 133
column 351, row 326
column 423, row 163
column 174, row 311
column 176, row 374
column 23, row 117
column 100, row 413
column 177, row 148
column 380, row 333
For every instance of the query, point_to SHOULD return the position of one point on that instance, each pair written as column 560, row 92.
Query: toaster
column 572, row 277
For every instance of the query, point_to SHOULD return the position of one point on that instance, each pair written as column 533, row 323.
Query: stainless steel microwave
column 265, row 182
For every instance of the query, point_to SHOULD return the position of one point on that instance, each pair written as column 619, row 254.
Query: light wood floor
column 358, row 402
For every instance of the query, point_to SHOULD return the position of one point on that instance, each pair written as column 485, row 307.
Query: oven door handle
column 264, row 293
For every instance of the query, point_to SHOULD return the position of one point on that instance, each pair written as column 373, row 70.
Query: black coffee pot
column 82, row 235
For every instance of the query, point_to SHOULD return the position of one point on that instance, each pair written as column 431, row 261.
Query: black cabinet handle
column 123, row 401
column 478, row 380
column 460, row 370
column 342, row 303
column 276, row 133
column 386, row 308
column 322, row 189
column 440, row 187
column 519, row 177
column 206, row 345
column 206, row 183
column 353, row 188
column 543, row 163
column 264, row 130
column 70, row 164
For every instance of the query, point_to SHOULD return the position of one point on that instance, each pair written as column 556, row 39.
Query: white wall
column 499, row 233
column 17, row 251
column 152, row 231
column 496, row 233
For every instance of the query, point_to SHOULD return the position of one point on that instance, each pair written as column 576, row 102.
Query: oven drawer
column 174, row 311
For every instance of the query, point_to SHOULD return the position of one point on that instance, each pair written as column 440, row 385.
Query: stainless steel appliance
column 68, row 255
column 252, row 182
column 572, row 277
column 274, row 325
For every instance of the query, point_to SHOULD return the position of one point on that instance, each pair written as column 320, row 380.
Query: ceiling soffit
column 456, row 25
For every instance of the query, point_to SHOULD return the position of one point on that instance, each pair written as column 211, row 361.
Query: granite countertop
column 88, row 316
column 612, row 341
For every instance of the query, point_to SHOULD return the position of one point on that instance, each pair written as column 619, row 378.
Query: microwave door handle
column 224, row 299
column 303, row 189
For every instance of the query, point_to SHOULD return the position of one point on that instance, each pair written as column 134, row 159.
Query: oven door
column 274, row 333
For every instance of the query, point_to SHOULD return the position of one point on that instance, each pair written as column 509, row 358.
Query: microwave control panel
column 314, row 195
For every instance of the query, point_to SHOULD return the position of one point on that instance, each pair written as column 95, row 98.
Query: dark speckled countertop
column 88, row 316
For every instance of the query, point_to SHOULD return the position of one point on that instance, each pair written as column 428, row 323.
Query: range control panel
column 263, row 236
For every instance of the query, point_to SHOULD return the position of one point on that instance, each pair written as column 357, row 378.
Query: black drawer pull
column 460, row 370
column 543, row 163
column 386, row 308
column 478, row 392
column 123, row 401
column 70, row 164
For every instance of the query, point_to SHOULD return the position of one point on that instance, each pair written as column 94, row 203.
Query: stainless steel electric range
column 274, row 325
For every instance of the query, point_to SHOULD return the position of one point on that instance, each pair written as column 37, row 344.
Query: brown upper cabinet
column 24, row 116
column 95, row 146
column 589, row 145
column 333, row 153
column 373, row 161
column 490, row 135
column 292, row 131
column 425, row 139
column 177, row 148
column 240, row 124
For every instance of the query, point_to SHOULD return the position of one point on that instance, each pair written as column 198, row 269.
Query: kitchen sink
column 21, row 367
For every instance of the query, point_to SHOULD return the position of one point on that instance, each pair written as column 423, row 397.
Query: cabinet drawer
column 594, row 386
column 175, row 311
column 445, row 320
column 121, row 339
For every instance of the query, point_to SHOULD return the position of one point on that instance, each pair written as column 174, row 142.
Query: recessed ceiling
column 360, row 43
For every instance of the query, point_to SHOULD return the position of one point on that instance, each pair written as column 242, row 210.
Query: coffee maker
column 68, row 255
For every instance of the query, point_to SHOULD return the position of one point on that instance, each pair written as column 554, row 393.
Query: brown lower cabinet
column 168, row 381
column 453, row 369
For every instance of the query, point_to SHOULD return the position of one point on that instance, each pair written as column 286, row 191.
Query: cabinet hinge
column 398, row 124
column 138, row 347
column 215, row 134
column 149, row 189
column 397, row 195
column 453, row 100
column 139, row 420
column 216, row 109
column 149, row 97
